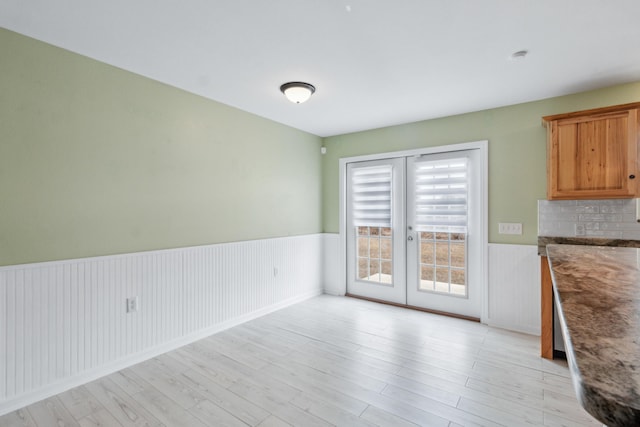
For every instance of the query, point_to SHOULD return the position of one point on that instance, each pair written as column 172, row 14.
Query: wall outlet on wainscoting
column 132, row 305
column 510, row 228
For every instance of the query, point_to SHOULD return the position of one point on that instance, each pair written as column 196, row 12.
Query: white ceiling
column 374, row 63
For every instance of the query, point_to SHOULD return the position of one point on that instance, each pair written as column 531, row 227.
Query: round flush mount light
column 519, row 55
column 297, row 92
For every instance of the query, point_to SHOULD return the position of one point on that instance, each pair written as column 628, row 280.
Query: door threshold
column 413, row 307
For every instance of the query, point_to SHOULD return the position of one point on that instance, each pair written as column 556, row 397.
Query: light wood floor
column 331, row 361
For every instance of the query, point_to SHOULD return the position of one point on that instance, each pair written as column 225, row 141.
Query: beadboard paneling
column 65, row 322
column 334, row 284
column 514, row 287
column 513, row 300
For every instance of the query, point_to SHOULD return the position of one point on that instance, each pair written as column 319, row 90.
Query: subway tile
column 600, row 217
column 613, row 234
column 611, row 202
column 611, row 209
column 554, row 217
column 567, row 218
column 590, row 217
column 591, row 209
column 567, row 209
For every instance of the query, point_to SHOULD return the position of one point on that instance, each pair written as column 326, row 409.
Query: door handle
column 410, row 238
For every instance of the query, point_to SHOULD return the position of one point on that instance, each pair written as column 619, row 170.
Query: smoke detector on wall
column 519, row 55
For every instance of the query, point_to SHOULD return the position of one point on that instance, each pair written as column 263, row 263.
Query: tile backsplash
column 614, row 218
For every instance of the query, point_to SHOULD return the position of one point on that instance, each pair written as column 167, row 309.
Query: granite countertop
column 597, row 290
column 543, row 241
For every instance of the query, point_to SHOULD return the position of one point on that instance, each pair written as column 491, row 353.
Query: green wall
column 517, row 153
column 95, row 160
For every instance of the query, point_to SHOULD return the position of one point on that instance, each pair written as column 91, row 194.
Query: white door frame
column 483, row 146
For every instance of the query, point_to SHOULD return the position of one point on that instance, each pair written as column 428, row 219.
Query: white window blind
column 441, row 195
column 371, row 189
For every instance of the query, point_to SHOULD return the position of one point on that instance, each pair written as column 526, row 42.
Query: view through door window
column 375, row 254
column 443, row 262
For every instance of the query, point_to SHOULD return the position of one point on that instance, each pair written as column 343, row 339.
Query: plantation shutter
column 371, row 189
column 442, row 195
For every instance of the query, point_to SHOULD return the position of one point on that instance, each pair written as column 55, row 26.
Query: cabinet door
column 593, row 157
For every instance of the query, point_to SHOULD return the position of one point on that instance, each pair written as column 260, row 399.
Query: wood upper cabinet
column 593, row 154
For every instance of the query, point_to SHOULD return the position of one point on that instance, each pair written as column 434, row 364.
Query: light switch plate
column 510, row 228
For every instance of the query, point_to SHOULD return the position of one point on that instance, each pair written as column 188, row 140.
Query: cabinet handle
column 631, row 176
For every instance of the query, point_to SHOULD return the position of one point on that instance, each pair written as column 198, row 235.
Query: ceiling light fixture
column 297, row 92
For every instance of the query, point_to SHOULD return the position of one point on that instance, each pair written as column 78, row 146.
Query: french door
column 413, row 229
column 376, row 230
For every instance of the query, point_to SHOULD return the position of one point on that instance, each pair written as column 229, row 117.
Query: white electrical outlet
column 510, row 228
column 132, row 305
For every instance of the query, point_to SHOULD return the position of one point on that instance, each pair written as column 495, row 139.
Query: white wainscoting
column 65, row 323
column 514, row 288
column 513, row 294
column 334, row 284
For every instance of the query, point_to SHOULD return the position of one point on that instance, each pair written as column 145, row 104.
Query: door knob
column 410, row 238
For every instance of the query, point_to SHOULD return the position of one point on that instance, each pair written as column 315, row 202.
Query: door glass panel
column 375, row 254
column 363, row 268
column 374, row 270
column 443, row 263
